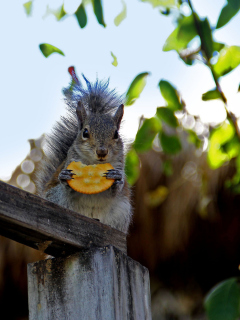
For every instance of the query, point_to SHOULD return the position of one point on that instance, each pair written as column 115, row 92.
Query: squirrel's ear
column 81, row 114
column 118, row 115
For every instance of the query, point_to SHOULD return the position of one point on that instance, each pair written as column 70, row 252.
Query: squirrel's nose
column 101, row 152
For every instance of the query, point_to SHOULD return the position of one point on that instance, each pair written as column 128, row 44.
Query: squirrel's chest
column 93, row 206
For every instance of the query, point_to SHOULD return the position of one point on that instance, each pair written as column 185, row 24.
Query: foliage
column 163, row 128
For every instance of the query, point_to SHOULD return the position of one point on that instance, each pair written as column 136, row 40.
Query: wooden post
column 90, row 278
column 95, row 284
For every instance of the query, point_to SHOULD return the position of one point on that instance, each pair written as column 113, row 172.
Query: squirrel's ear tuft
column 81, row 114
column 118, row 115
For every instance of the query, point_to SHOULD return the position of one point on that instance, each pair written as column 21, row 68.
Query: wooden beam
column 96, row 283
column 43, row 225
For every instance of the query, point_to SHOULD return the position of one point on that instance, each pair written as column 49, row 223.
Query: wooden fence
column 90, row 276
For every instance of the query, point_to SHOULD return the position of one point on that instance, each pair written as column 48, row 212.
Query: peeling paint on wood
column 94, row 284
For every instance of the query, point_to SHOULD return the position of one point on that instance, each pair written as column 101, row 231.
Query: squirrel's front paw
column 116, row 175
column 65, row 175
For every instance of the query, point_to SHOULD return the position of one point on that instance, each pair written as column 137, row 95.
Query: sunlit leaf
column 171, row 95
column 228, row 12
column 81, row 15
column 211, row 95
column 206, row 37
column 122, row 15
column 182, row 35
column 59, row 13
column 48, row 49
column 223, row 301
column 114, row 63
column 219, row 136
column 156, row 197
column 167, row 115
column 193, row 138
column 98, row 11
column 170, row 143
column 229, row 59
column 132, row 169
column 163, row 3
column 28, row 7
column 135, row 88
column 146, row 134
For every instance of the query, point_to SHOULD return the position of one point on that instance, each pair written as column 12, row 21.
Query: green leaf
column 228, row 12
column 58, row 13
column 193, row 138
column 135, row 88
column 132, row 169
column 211, row 95
column 217, row 46
column 114, row 63
column 170, row 94
column 98, row 11
column 229, row 59
column 170, row 143
column 218, row 138
column 28, row 7
column 146, row 134
column 48, row 49
column 122, row 15
column 206, row 37
column 182, row 35
column 163, row 3
column 223, row 301
column 81, row 15
column 167, row 115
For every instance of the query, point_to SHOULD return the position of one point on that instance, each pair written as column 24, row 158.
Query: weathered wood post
column 90, row 276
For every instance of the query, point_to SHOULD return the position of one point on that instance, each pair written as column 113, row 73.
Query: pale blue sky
column 31, row 84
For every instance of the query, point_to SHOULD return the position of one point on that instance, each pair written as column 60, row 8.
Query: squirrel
column 88, row 133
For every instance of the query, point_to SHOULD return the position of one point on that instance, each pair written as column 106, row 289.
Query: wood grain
column 94, row 284
column 45, row 226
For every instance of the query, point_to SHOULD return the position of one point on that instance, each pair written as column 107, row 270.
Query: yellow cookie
column 90, row 179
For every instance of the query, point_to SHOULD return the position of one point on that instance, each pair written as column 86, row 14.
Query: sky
column 31, row 85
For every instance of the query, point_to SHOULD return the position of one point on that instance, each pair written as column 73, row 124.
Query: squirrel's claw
column 113, row 174
column 66, row 174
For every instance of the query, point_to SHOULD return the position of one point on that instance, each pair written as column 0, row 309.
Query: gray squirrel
column 88, row 133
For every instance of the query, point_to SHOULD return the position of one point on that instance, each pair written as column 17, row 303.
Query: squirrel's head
column 98, row 138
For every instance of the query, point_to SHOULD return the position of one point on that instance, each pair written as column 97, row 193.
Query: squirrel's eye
column 115, row 135
column 85, row 133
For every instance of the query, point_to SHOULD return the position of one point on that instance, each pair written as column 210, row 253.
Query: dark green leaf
column 228, row 60
column 146, row 134
column 48, row 49
column 219, row 136
column 223, row 301
column 211, row 95
column 28, row 7
column 228, row 12
column 168, row 168
column 135, row 88
column 114, row 63
column 81, row 15
column 170, row 144
column 182, row 35
column 193, row 138
column 97, row 8
column 122, row 15
column 167, row 115
column 206, row 37
column 217, row 46
column 132, row 169
column 171, row 95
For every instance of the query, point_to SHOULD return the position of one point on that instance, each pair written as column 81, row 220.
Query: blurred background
column 186, row 220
